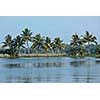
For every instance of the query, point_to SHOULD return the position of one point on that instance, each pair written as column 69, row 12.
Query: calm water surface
column 50, row 70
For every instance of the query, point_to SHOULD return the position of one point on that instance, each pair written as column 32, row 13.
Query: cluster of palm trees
column 29, row 44
column 79, row 45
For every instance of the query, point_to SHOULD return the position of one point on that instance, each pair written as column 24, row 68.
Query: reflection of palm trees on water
column 17, row 79
column 51, row 70
column 79, row 76
column 76, row 65
column 76, row 75
column 48, row 75
column 88, row 71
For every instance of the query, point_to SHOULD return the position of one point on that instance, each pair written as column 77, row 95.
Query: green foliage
column 80, row 45
column 27, row 37
column 38, row 43
column 58, row 45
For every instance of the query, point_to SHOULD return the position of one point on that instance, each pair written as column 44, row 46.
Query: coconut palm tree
column 38, row 43
column 7, row 42
column 89, row 38
column 58, row 45
column 13, row 48
column 76, row 44
column 47, row 44
column 27, row 37
column 75, row 40
column 19, row 42
column 10, row 44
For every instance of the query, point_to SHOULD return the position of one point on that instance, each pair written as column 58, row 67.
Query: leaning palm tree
column 38, row 43
column 58, row 45
column 89, row 38
column 26, row 37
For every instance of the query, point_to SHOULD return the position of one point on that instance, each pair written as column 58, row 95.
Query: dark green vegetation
column 26, row 43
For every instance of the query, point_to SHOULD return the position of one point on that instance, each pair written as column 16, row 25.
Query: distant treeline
column 26, row 43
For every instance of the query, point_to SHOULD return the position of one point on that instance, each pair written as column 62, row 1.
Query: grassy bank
column 42, row 55
column 34, row 55
column 47, row 55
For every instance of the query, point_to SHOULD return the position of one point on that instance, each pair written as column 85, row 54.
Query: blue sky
column 53, row 26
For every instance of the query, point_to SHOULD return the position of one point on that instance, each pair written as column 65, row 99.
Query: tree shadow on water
column 82, row 77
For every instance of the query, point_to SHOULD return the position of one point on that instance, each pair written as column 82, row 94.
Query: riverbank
column 43, row 55
column 47, row 55
column 33, row 55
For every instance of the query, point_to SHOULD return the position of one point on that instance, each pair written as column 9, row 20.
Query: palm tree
column 10, row 44
column 19, row 43
column 89, row 38
column 38, row 43
column 75, row 40
column 58, row 45
column 7, row 42
column 47, row 45
column 76, row 45
column 13, row 49
column 26, row 37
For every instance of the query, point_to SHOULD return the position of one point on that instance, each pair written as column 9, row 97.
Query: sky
column 52, row 26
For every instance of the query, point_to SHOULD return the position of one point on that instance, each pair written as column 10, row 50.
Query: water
column 50, row 70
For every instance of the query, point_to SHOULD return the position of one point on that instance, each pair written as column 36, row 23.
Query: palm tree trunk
column 82, row 50
column 18, row 50
column 89, row 47
column 27, row 47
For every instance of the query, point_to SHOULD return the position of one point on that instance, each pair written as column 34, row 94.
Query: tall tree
column 58, row 45
column 10, row 44
column 27, row 37
column 89, row 38
column 19, row 43
column 7, row 42
column 76, row 44
column 47, row 45
column 38, row 43
column 75, row 40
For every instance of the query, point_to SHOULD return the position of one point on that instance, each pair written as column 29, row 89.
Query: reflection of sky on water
column 51, row 69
